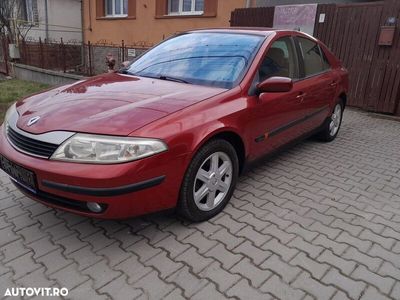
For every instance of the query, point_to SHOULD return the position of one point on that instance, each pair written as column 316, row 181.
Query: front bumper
column 125, row 190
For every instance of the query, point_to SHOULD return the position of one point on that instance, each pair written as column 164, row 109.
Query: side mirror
column 125, row 64
column 275, row 85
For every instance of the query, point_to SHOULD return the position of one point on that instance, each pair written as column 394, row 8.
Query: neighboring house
column 150, row 21
column 52, row 19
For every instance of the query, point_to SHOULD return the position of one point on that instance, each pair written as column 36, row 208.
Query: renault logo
column 33, row 120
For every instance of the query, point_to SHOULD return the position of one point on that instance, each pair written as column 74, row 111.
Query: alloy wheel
column 213, row 181
column 336, row 119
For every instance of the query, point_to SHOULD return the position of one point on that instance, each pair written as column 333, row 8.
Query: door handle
column 301, row 96
column 333, row 84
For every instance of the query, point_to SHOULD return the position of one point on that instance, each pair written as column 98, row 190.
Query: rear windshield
column 202, row 58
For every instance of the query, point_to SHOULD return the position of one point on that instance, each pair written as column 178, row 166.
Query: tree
column 11, row 13
column 8, row 10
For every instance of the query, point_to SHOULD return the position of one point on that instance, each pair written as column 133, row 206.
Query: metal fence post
column 123, row 51
column 63, row 56
column 41, row 53
column 90, row 58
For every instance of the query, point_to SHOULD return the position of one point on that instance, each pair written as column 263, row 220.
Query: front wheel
column 209, row 181
column 332, row 125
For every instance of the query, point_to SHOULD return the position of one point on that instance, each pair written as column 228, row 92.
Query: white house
column 52, row 19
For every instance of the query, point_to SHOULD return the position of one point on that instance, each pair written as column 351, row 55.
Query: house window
column 116, row 8
column 30, row 11
column 185, row 7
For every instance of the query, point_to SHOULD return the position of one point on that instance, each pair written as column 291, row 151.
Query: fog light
column 94, row 207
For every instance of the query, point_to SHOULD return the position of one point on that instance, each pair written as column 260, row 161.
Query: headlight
column 107, row 149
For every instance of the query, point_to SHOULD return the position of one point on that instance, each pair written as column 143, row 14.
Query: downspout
column 46, row 12
column 248, row 3
column 83, row 33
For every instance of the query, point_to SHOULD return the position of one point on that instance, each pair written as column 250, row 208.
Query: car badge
column 33, row 120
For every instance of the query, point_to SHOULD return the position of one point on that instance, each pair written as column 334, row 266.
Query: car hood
column 113, row 104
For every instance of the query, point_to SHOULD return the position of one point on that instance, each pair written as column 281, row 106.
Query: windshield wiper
column 162, row 77
column 169, row 78
column 125, row 71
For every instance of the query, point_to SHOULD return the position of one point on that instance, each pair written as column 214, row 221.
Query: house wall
column 145, row 27
column 64, row 19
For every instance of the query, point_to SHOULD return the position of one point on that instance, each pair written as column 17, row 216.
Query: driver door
column 277, row 116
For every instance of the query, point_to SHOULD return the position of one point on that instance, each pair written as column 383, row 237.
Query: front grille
column 29, row 145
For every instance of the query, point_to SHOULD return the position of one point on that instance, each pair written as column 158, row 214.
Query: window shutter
column 210, row 8
column 132, row 8
column 161, row 8
column 100, row 8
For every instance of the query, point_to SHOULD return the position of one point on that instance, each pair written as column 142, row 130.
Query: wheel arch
column 233, row 138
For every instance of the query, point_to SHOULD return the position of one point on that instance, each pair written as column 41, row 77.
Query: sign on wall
column 131, row 52
column 298, row 17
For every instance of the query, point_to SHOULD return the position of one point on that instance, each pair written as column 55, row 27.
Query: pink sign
column 299, row 17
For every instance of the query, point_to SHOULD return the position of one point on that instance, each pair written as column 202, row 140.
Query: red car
column 176, row 127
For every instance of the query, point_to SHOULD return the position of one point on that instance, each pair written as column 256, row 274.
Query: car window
column 211, row 59
column 312, row 57
column 281, row 60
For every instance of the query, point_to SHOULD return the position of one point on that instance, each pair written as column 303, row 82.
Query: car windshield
column 211, row 59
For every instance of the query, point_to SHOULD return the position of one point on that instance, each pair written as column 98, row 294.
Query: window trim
column 302, row 73
column 180, row 12
column 324, row 57
column 113, row 15
column 256, row 80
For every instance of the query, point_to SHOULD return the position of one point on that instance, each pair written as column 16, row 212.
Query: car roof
column 263, row 31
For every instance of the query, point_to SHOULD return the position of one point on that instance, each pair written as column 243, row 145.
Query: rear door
column 317, row 79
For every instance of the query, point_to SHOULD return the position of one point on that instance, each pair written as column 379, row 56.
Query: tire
column 332, row 124
column 205, row 191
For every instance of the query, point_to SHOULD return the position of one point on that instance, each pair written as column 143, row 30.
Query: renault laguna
column 176, row 127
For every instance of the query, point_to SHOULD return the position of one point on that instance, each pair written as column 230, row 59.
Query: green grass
column 14, row 89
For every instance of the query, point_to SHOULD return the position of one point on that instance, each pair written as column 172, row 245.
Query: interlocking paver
column 319, row 221
column 384, row 284
column 352, row 287
column 187, row 281
column 243, row 290
column 285, row 271
column 314, row 287
column 282, row 290
column 315, row 268
column 224, row 279
column 254, row 274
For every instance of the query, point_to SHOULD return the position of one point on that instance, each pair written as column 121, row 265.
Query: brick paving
column 320, row 221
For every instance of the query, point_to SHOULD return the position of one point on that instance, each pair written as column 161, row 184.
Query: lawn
column 14, row 89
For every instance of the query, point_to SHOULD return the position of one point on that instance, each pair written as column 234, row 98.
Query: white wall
column 64, row 19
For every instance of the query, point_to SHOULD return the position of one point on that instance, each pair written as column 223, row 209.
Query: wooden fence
column 51, row 56
column 78, row 58
column 352, row 31
column 253, row 17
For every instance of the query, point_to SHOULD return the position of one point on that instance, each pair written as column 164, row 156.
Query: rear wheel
column 209, row 181
column 332, row 124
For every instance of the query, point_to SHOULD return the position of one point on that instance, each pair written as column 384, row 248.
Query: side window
column 281, row 60
column 312, row 57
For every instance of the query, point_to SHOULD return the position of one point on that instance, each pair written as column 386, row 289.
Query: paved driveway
column 320, row 221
